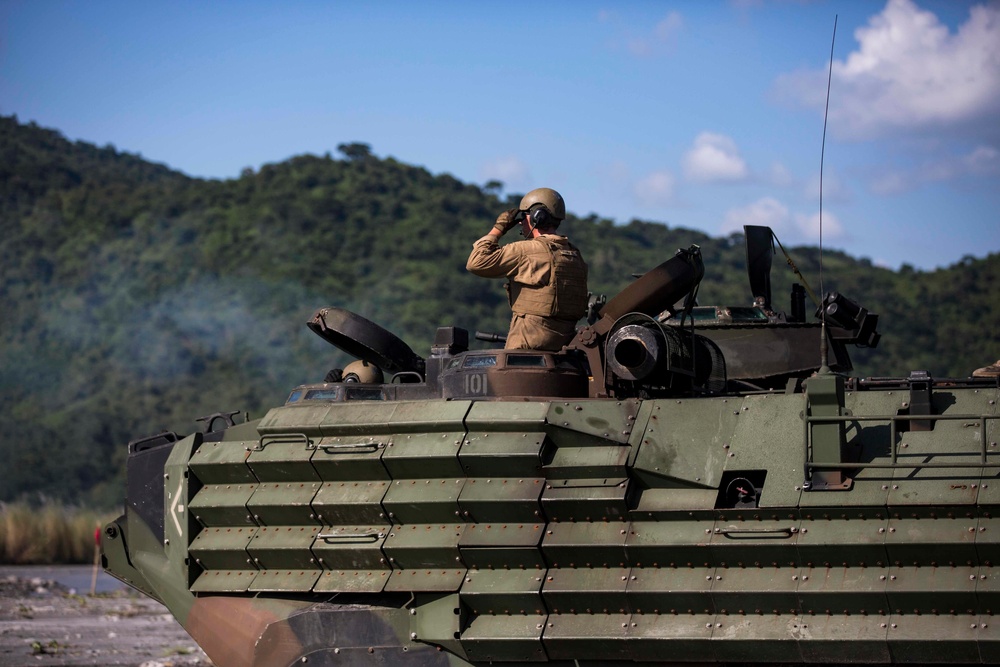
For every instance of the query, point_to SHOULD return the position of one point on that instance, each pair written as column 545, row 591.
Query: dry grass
column 48, row 534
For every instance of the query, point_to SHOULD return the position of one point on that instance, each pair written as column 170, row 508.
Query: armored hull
column 608, row 503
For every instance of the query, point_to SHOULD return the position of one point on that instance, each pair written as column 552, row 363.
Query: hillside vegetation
column 136, row 299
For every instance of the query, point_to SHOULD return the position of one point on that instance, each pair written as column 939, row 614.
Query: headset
column 540, row 216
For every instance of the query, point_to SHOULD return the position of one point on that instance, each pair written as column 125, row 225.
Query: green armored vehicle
column 680, row 483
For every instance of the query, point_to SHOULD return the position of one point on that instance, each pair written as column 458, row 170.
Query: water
column 77, row 577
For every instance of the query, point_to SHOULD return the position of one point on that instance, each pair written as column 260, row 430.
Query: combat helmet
column 547, row 197
column 363, row 372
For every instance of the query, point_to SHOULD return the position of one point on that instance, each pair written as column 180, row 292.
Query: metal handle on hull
column 326, row 537
column 775, row 533
column 286, row 438
column 332, row 449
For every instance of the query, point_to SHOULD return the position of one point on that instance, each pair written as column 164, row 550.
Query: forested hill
column 135, row 298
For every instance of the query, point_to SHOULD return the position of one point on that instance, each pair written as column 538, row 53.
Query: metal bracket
column 226, row 417
column 920, row 384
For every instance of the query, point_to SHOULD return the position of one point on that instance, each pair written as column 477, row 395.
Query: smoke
column 219, row 321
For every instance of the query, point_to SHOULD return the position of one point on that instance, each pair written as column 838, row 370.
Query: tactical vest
column 564, row 295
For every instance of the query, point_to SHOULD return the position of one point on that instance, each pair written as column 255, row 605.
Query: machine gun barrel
column 491, row 337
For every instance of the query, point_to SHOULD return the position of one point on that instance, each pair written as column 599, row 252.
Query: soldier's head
column 363, row 372
column 544, row 209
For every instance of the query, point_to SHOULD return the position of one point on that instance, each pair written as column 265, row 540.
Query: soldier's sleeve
column 489, row 260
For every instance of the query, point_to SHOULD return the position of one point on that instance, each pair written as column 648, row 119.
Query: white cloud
column 656, row 189
column 889, row 183
column 714, row 158
column 779, row 176
column 982, row 161
column 910, row 73
column 834, row 189
column 808, row 227
column 511, row 170
column 668, row 27
column 767, row 211
column 790, row 227
column 663, row 33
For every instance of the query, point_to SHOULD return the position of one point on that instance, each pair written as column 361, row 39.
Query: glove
column 506, row 221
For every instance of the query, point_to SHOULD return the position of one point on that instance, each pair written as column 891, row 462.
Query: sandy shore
column 45, row 623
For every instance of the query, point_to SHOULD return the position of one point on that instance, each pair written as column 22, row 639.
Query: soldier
column 357, row 371
column 546, row 275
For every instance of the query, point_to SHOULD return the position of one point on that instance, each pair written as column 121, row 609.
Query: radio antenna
column 823, row 345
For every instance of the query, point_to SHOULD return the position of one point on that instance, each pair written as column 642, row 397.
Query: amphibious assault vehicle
column 680, row 483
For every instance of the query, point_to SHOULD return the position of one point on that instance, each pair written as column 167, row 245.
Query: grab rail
column 971, row 422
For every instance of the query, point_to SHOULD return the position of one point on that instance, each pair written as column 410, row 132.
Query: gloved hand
column 506, row 221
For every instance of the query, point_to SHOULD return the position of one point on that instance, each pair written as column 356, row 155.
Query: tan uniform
column 547, row 287
column 993, row 370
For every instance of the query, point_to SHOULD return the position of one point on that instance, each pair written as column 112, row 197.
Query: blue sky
column 707, row 115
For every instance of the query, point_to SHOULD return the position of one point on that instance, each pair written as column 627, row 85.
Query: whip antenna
column 823, row 346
